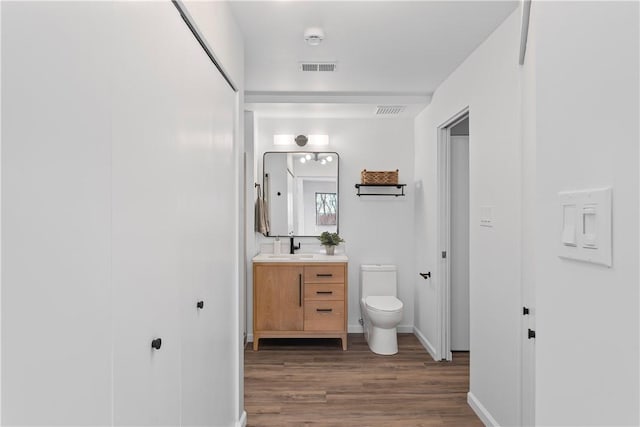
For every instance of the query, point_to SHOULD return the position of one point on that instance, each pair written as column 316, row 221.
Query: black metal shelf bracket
column 396, row 194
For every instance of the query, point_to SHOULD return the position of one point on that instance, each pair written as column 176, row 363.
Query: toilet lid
column 383, row 303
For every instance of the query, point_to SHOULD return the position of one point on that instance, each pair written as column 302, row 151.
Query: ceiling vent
column 318, row 66
column 389, row 110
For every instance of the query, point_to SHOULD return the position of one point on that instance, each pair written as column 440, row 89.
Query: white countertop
column 300, row 258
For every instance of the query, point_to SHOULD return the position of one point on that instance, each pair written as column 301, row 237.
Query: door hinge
column 525, row 311
column 531, row 334
column 444, row 254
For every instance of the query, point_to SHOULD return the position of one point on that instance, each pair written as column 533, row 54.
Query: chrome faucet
column 292, row 247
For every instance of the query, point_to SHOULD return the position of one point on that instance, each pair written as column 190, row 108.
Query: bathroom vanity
column 299, row 296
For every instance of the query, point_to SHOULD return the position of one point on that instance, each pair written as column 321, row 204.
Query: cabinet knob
column 156, row 344
column 200, row 304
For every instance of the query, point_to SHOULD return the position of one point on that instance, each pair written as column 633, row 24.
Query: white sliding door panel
column 206, row 247
column 56, row 296
column 147, row 273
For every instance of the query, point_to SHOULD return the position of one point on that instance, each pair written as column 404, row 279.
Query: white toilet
column 381, row 310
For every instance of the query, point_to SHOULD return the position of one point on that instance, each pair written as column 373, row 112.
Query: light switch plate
column 585, row 225
column 486, row 216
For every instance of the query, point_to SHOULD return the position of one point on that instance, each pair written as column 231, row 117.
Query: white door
column 146, row 223
column 459, row 243
column 56, row 294
column 207, row 197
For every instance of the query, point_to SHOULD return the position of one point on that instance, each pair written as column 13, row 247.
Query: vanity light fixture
column 318, row 139
column 283, row 140
column 301, row 140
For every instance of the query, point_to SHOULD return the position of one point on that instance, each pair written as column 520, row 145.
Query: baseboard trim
column 481, row 411
column 249, row 337
column 426, row 344
column 242, row 422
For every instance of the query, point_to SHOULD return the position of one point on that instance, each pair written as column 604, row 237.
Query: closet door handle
column 200, row 304
column 324, row 310
column 324, row 275
column 156, row 343
column 324, row 292
column 299, row 290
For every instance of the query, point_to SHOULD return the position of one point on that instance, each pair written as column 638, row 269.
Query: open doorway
column 453, row 234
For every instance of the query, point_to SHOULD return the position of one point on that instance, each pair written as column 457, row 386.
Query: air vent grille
column 386, row 110
column 318, row 66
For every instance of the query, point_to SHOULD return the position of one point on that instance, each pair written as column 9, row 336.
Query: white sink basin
column 291, row 256
column 300, row 258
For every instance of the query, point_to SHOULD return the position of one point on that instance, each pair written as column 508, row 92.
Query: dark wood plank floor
column 315, row 383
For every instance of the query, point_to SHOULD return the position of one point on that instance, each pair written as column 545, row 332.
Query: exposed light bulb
column 329, row 158
column 303, row 160
column 308, row 157
column 323, row 162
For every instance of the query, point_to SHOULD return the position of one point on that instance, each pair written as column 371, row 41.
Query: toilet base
column 383, row 341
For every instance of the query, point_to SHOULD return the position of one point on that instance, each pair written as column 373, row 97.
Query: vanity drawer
column 324, row 274
column 324, row 315
column 324, row 291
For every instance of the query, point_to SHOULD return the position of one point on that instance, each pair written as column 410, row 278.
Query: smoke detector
column 313, row 36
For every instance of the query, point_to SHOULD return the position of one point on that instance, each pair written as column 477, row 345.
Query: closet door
column 207, row 200
column 56, row 296
column 146, row 184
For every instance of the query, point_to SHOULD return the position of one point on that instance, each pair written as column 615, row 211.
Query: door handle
column 156, row 343
column 299, row 290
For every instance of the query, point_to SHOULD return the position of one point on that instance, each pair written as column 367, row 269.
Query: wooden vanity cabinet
column 298, row 300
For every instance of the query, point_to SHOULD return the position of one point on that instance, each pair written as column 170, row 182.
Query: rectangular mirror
column 301, row 190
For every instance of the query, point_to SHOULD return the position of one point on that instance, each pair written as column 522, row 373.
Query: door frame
column 443, row 222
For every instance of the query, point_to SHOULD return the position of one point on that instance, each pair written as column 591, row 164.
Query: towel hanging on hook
column 261, row 214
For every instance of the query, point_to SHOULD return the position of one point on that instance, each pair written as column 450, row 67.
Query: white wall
column 376, row 229
column 488, row 83
column 587, row 133
column 459, row 243
column 573, row 111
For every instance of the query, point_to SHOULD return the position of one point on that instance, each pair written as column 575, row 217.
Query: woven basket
column 379, row 177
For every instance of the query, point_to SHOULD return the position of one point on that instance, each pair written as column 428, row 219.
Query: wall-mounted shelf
column 396, row 194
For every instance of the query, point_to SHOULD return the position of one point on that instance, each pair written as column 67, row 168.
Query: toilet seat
column 383, row 303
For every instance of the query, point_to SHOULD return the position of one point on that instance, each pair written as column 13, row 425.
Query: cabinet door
column 278, row 297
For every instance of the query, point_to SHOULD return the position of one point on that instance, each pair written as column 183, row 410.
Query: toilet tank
column 378, row 280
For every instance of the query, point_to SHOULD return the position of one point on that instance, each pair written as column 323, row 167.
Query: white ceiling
column 382, row 48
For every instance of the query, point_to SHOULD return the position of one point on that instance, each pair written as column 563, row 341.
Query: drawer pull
column 324, row 292
column 324, row 310
column 324, row 275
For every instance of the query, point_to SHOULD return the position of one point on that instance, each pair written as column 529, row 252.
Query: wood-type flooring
column 305, row 382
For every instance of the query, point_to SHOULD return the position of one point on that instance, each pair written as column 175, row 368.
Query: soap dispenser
column 276, row 246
